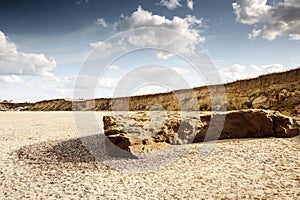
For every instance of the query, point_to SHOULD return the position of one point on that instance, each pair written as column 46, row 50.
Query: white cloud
column 254, row 34
column 181, row 71
column 101, row 46
column 250, row 11
column 294, row 36
column 233, row 73
column 143, row 18
column 189, row 28
column 266, row 69
column 278, row 20
column 114, row 67
column 170, row 4
column 192, row 20
column 13, row 62
column 164, row 55
column 238, row 72
column 10, row 79
column 102, row 22
column 190, row 4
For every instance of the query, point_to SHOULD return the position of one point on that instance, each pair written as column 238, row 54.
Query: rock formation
column 153, row 130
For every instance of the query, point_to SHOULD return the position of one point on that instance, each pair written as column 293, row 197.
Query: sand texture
column 144, row 130
column 42, row 158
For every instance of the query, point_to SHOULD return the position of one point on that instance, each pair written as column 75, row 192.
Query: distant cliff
column 277, row 91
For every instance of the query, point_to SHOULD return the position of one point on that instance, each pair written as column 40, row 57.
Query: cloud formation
column 170, row 4
column 254, row 34
column 10, row 79
column 190, row 4
column 238, row 72
column 189, row 27
column 13, row 62
column 113, row 67
column 102, row 22
column 101, row 46
column 273, row 21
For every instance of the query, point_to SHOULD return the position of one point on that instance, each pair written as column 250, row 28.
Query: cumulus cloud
column 189, row 27
column 143, row 18
column 278, row 20
column 14, row 62
column 10, row 79
column 238, row 72
column 190, row 4
column 102, row 22
column 101, row 46
column 170, row 4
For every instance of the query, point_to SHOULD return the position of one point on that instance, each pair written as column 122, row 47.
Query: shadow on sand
column 79, row 150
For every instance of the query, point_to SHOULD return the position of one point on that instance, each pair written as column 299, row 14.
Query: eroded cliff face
column 278, row 91
column 52, row 105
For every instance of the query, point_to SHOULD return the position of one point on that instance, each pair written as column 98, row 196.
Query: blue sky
column 45, row 43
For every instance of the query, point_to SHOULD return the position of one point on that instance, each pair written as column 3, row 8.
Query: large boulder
column 148, row 131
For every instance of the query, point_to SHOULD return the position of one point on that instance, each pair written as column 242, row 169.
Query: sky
column 94, row 48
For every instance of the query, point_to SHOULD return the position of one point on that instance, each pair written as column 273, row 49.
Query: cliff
column 277, row 91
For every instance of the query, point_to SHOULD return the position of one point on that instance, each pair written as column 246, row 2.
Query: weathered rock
column 121, row 140
column 247, row 124
column 261, row 102
column 284, row 126
column 145, row 130
column 130, row 133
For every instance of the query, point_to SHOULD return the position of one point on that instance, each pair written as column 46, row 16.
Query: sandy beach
column 42, row 159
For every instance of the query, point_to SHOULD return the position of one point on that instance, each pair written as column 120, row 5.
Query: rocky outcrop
column 248, row 124
column 131, row 133
column 152, row 130
column 9, row 106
